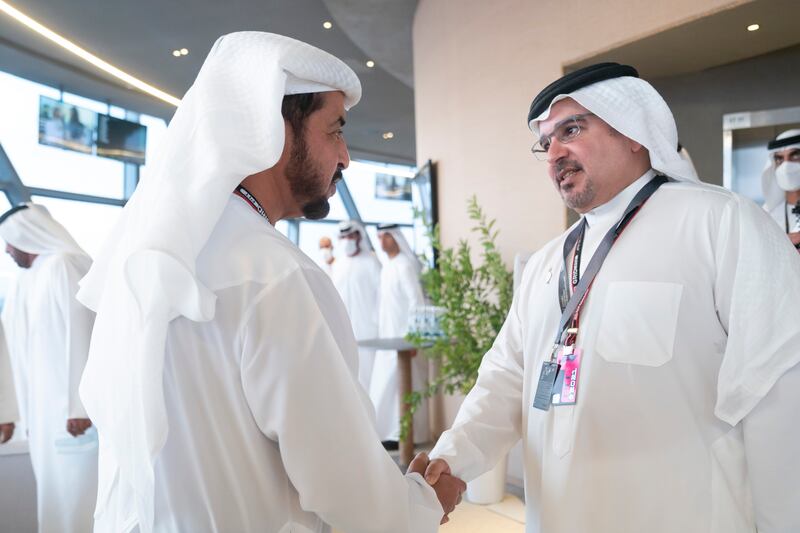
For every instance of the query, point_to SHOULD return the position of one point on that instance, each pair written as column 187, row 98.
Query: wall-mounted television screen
column 121, row 139
column 66, row 125
column 390, row 187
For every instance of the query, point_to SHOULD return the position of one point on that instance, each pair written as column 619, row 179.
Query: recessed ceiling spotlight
column 388, row 135
column 370, row 63
column 753, row 27
column 327, row 25
column 85, row 55
column 184, row 51
column 176, row 53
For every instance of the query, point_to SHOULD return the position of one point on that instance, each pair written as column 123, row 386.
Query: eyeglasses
column 565, row 131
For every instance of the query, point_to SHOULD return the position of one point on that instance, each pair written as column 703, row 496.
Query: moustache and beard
column 574, row 197
column 307, row 188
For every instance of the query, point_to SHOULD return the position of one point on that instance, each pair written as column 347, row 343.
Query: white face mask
column 326, row 254
column 787, row 175
column 350, row 246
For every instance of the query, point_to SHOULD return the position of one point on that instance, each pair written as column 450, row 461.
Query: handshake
column 448, row 488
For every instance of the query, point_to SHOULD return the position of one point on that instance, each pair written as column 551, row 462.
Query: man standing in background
column 9, row 413
column 780, row 182
column 48, row 334
column 357, row 278
column 326, row 255
column 400, row 292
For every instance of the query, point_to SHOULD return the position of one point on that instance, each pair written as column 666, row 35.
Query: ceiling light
column 388, row 135
column 184, row 51
column 370, row 63
column 176, row 53
column 327, row 25
column 753, row 27
column 85, row 55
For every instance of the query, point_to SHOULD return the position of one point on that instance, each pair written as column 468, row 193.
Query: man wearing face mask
column 780, row 182
column 358, row 279
column 326, row 255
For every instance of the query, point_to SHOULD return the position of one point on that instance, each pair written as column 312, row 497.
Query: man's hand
column 6, row 432
column 77, row 426
column 795, row 238
column 447, row 487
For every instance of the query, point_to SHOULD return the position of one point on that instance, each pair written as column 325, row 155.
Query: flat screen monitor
column 66, row 126
column 121, row 139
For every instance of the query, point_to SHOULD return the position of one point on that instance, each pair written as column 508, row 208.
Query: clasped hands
column 448, row 488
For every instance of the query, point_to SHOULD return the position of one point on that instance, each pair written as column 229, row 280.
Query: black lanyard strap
column 581, row 284
column 248, row 196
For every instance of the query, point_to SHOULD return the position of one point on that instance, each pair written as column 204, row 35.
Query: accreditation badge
column 565, row 387
column 544, row 388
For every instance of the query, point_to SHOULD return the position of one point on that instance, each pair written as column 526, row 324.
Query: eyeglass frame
column 541, row 150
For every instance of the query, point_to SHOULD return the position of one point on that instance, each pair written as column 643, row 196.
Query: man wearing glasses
column 650, row 370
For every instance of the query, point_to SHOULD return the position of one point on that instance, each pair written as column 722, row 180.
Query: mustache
column 337, row 176
column 567, row 164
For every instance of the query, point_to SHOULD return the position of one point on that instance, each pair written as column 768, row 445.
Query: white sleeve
column 8, row 396
column 489, row 421
column 304, row 396
column 411, row 285
column 757, row 293
column 772, row 441
column 78, row 323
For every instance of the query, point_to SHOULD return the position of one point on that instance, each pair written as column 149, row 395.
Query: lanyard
column 244, row 193
column 571, row 305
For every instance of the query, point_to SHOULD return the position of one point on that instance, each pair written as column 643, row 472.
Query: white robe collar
column 604, row 216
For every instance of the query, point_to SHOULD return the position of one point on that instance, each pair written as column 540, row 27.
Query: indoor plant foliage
column 475, row 299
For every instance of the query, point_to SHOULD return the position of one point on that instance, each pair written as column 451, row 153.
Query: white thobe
column 358, row 279
column 782, row 214
column 689, row 383
column 400, row 291
column 8, row 396
column 49, row 331
column 269, row 430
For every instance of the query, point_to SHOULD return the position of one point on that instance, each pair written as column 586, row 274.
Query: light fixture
column 176, row 53
column 388, row 135
column 753, row 27
column 184, row 51
column 73, row 48
column 370, row 63
column 327, row 25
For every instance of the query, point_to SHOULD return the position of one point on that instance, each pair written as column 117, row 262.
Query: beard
column 576, row 196
column 305, row 183
column 577, row 199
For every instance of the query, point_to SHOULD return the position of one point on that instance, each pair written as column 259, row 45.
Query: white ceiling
column 708, row 42
column 139, row 37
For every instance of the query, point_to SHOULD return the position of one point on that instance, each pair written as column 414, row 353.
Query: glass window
column 46, row 166
column 338, row 211
column 156, row 131
column 361, row 178
column 283, row 227
column 310, row 234
column 89, row 224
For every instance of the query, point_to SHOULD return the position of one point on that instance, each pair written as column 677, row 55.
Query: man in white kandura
column 780, row 182
column 400, row 291
column 222, row 374
column 9, row 412
column 664, row 401
column 326, row 258
column 357, row 277
column 48, row 334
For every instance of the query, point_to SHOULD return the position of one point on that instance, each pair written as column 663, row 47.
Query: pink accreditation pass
column 565, row 391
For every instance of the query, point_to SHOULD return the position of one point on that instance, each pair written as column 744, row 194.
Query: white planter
column 490, row 487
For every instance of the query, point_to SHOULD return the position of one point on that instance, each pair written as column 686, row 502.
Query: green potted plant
column 474, row 298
